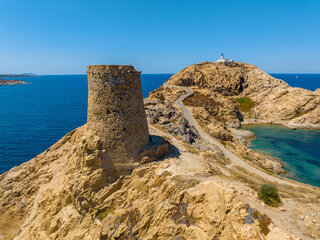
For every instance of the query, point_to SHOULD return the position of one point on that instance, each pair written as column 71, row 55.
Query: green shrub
column 269, row 195
column 245, row 103
column 223, row 143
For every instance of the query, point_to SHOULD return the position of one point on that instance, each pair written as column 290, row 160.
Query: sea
column 34, row 116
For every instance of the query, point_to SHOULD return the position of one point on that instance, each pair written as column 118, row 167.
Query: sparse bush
column 102, row 214
column 264, row 222
column 269, row 195
column 200, row 100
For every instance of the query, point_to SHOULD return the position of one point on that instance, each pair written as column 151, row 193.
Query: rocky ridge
column 274, row 100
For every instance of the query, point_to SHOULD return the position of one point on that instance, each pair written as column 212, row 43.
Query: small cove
column 299, row 150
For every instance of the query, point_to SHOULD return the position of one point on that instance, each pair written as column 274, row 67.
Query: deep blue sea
column 307, row 81
column 34, row 116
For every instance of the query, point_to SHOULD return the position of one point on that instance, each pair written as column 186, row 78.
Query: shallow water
column 298, row 149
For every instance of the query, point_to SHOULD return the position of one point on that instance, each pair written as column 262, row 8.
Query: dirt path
column 235, row 160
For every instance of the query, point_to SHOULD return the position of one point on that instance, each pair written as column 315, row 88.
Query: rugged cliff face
column 64, row 193
column 191, row 181
column 273, row 100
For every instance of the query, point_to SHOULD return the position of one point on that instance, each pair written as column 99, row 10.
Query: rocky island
column 11, row 82
column 172, row 166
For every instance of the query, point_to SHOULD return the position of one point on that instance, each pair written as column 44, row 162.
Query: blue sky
column 164, row 36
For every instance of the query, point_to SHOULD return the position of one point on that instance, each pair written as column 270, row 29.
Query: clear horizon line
column 61, row 74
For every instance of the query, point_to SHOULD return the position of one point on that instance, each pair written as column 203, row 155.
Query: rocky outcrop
column 274, row 100
column 11, row 82
column 165, row 115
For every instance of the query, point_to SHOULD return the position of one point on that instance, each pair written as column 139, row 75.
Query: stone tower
column 116, row 114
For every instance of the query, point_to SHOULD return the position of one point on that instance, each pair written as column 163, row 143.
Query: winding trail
column 235, row 160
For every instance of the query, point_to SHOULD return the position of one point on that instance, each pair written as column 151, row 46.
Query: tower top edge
column 113, row 68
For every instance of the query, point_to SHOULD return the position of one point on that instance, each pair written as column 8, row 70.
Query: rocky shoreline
column 246, row 136
column 292, row 126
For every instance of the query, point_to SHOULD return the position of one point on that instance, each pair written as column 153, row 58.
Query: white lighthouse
column 224, row 60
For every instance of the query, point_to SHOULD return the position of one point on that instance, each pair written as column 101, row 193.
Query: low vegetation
column 269, row 195
column 245, row 104
column 245, row 157
column 102, row 214
column 263, row 220
column 200, row 100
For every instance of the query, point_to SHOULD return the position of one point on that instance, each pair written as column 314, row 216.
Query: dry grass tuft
column 200, row 100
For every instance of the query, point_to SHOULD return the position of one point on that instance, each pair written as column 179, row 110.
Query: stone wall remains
column 116, row 114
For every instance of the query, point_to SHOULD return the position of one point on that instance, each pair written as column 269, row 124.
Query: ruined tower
column 116, row 114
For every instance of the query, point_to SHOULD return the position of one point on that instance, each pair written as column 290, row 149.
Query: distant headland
column 19, row 75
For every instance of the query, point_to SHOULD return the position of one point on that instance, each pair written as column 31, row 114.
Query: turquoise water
column 298, row 149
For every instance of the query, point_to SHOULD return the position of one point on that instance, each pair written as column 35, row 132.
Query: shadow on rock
column 156, row 150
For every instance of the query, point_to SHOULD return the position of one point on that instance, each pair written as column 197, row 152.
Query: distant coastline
column 19, row 75
column 11, row 82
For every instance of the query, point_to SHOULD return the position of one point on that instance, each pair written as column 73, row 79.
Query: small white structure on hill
column 224, row 60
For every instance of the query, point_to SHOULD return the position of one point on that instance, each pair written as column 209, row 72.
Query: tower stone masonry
column 116, row 114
